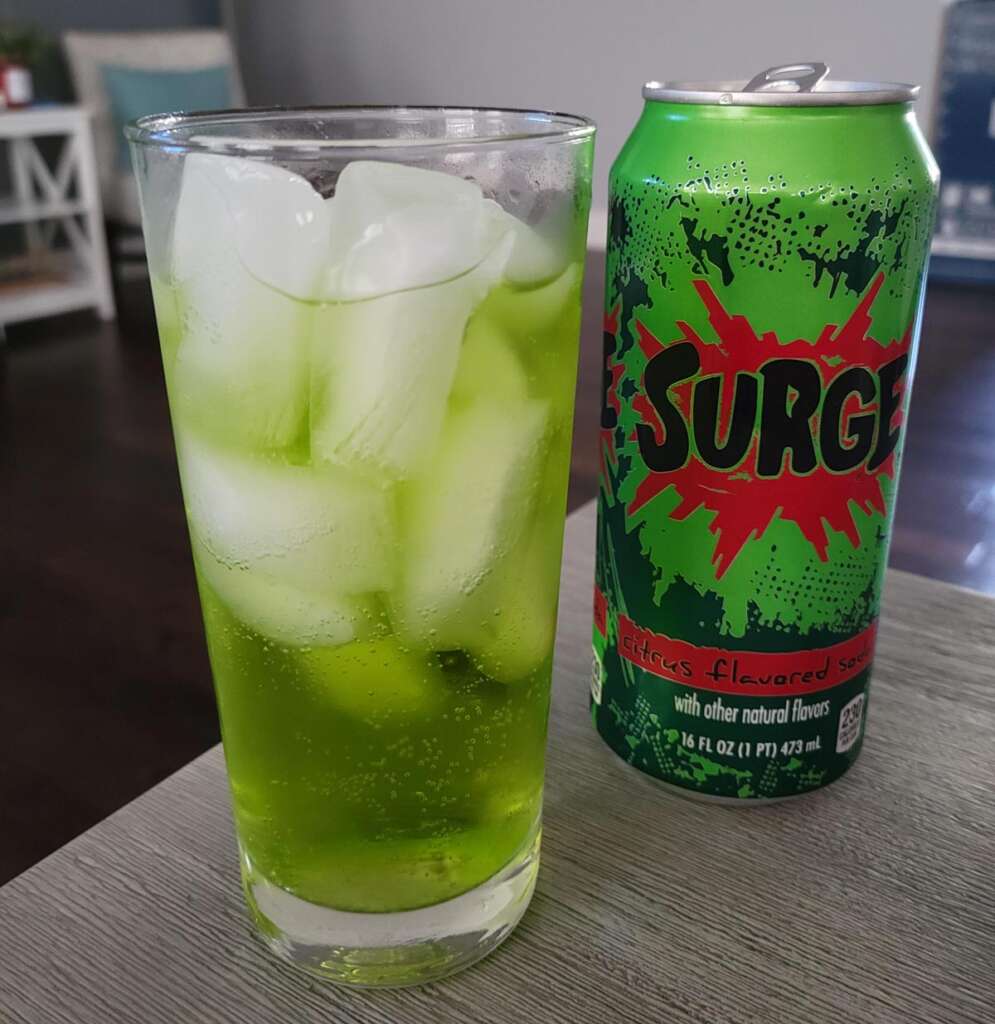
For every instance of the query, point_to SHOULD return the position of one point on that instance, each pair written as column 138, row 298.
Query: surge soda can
column 766, row 260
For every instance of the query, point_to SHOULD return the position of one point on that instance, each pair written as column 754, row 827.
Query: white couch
column 181, row 50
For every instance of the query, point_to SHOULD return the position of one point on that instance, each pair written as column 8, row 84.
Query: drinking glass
column 369, row 323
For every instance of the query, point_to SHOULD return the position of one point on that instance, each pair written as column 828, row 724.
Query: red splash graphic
column 614, row 371
column 744, row 504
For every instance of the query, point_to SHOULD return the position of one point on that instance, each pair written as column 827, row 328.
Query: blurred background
column 106, row 683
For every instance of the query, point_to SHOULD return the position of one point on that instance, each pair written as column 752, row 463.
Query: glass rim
column 157, row 130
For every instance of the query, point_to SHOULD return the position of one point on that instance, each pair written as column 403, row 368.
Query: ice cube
column 526, row 312
column 389, row 227
column 282, row 612
column 316, row 528
column 395, row 227
column 507, row 624
column 276, row 221
column 461, row 519
column 542, row 327
column 375, row 680
column 240, row 368
column 488, row 366
column 250, row 238
column 382, row 370
column 395, row 869
column 533, row 258
column 517, row 638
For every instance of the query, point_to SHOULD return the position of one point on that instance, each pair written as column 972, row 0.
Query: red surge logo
column 752, row 427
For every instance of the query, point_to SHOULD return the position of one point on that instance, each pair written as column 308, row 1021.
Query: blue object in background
column 135, row 92
column 964, row 142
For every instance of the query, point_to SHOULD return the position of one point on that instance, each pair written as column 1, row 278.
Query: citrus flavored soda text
column 372, row 397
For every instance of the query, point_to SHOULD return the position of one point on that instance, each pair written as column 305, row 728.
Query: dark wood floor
column 106, row 688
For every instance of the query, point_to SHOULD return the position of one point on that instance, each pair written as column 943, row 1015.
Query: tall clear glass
column 369, row 323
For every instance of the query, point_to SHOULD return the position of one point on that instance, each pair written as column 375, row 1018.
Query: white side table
column 44, row 199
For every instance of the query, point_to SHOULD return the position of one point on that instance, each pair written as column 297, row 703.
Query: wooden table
column 870, row 901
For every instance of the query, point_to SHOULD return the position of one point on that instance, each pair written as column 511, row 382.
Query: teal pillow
column 134, row 92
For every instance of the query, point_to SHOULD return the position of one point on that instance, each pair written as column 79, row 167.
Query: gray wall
column 583, row 56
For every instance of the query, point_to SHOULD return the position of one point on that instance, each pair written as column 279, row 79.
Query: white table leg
column 89, row 188
column 20, row 174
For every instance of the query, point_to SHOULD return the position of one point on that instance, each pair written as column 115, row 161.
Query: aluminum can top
column 804, row 84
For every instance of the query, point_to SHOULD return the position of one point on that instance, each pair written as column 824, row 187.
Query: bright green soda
column 380, row 608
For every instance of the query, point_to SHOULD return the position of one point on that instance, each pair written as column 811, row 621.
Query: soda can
column 766, row 261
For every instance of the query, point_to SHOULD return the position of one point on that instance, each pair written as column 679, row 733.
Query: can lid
column 803, row 84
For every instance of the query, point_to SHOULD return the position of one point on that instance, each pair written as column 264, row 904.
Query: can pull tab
column 788, row 78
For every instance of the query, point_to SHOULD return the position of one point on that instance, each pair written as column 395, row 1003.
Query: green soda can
column 766, row 262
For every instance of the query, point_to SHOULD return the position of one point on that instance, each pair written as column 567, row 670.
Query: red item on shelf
column 16, row 88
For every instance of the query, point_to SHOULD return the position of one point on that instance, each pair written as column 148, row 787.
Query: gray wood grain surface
column 869, row 901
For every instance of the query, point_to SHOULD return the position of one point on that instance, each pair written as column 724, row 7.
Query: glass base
column 409, row 947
